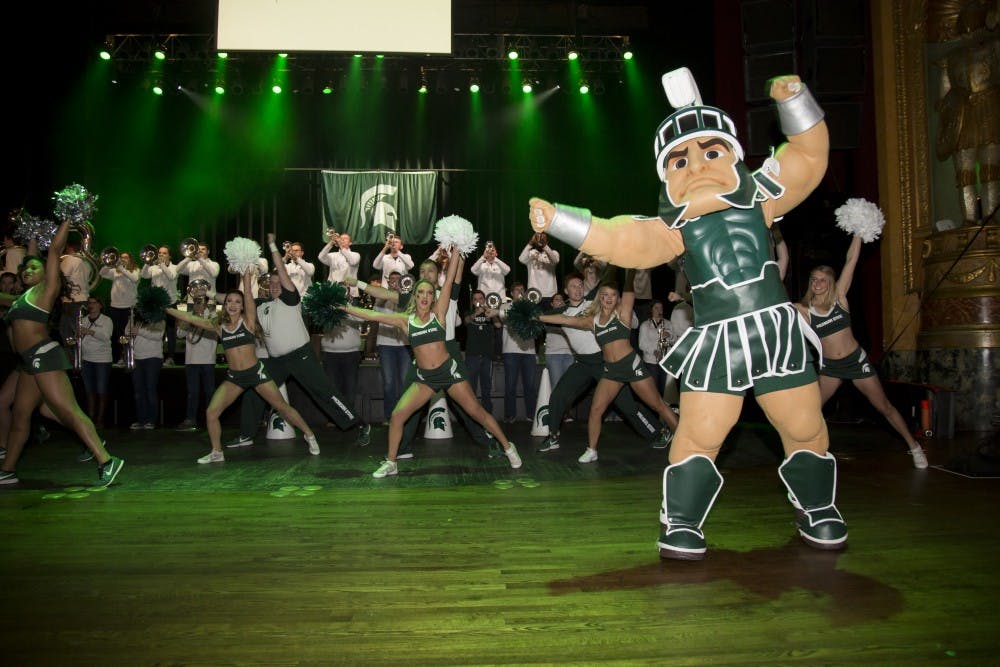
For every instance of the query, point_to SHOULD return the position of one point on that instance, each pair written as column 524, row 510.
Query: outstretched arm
column 397, row 320
column 376, row 291
column 193, row 320
column 847, row 273
column 571, row 321
column 625, row 240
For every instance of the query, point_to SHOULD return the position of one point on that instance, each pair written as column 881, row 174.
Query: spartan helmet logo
column 378, row 206
column 542, row 416
column 277, row 423
column 438, row 416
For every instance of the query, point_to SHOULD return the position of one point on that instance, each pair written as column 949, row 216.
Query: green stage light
column 357, row 55
column 512, row 54
column 380, row 56
column 282, row 55
column 327, row 89
column 157, row 89
column 220, row 89
column 222, row 55
column 627, row 55
column 526, row 87
column 584, row 88
column 276, row 89
column 160, row 54
column 474, row 87
column 105, row 55
column 572, row 55
column 422, row 89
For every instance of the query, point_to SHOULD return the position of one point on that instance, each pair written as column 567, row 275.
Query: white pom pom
column 242, row 254
column 860, row 217
column 457, row 231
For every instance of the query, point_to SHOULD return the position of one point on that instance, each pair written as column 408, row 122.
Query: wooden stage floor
column 280, row 558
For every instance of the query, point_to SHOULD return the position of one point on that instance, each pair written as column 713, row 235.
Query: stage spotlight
column 357, row 55
column 160, row 54
column 105, row 54
column 157, row 88
column 220, row 89
column 627, row 55
column 282, row 55
column 512, row 53
column 276, row 89
column 328, row 89
column 526, row 87
column 380, row 56
column 572, row 55
column 222, row 55
column 584, row 88
column 474, row 84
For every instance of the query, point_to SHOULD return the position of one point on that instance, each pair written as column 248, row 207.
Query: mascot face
column 698, row 172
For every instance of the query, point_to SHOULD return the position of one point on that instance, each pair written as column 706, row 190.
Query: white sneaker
column 513, row 456
column 589, row 456
column 313, row 445
column 919, row 458
column 136, row 426
column 404, row 455
column 213, row 457
column 387, row 468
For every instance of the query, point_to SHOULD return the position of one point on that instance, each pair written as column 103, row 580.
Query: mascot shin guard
column 689, row 491
column 811, row 480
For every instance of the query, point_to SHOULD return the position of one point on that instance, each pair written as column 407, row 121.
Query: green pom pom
column 322, row 304
column 150, row 302
column 522, row 319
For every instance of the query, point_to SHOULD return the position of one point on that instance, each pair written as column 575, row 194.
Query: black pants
column 342, row 370
column 304, row 367
column 581, row 376
column 119, row 318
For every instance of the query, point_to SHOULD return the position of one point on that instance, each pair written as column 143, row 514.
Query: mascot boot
column 811, row 480
column 689, row 490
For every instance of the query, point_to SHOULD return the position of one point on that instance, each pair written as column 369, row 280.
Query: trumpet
column 533, row 295
column 331, row 236
column 285, row 247
column 110, row 256
column 664, row 342
column 150, row 253
column 389, row 236
column 493, row 300
column 406, row 284
column 189, row 248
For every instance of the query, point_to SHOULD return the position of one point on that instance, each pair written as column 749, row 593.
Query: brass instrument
column 406, row 282
column 331, row 236
column 365, row 300
column 150, row 253
column 76, row 341
column 189, row 248
column 533, row 295
column 197, row 289
column 389, row 236
column 127, row 340
column 110, row 256
column 86, row 231
column 493, row 300
column 664, row 343
column 264, row 282
column 489, row 246
column 285, row 247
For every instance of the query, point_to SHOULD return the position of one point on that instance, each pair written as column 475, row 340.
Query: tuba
column 86, row 232
column 189, row 248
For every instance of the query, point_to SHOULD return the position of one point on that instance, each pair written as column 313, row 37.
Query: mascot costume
column 715, row 215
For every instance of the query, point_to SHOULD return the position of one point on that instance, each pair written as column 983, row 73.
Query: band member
column 341, row 347
column 77, row 273
column 291, row 355
column 558, row 353
column 14, row 255
column 610, row 318
column 163, row 273
column 520, row 360
column 541, row 260
column 96, row 331
column 826, row 309
column 299, row 270
column 592, row 270
column 147, row 340
column 482, row 324
column 343, row 261
column 437, row 368
column 393, row 352
column 201, row 266
column 656, row 336
column 392, row 259
column 200, row 348
column 124, row 277
column 236, row 327
column 491, row 271
column 746, row 334
column 44, row 365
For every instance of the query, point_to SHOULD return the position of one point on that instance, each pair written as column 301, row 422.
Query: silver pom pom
column 457, row 231
column 242, row 254
column 860, row 217
column 75, row 203
column 32, row 228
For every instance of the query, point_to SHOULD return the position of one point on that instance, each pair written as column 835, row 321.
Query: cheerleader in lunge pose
column 423, row 322
column 610, row 317
column 826, row 309
column 236, row 329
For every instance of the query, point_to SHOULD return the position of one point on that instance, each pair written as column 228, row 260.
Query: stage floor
column 278, row 557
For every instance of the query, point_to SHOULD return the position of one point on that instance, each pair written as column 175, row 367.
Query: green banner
column 370, row 204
